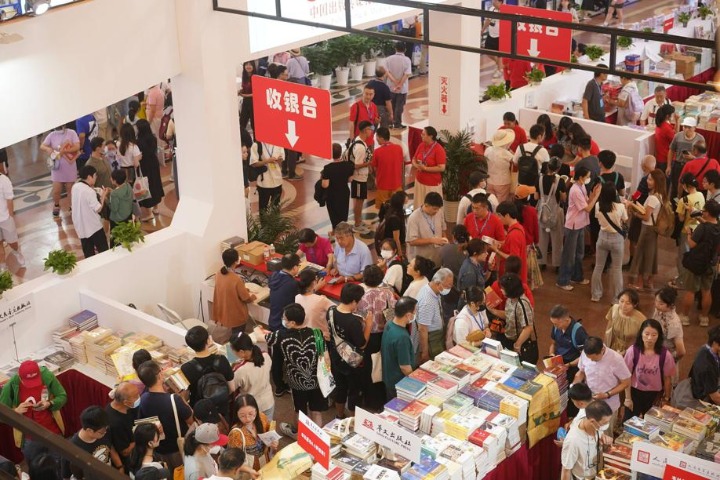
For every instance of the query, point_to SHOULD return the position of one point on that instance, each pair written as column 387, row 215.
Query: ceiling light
column 36, row 7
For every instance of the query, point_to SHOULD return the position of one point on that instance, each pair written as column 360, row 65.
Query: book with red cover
column 423, row 375
column 479, row 437
column 622, row 453
column 480, row 382
column 492, row 299
column 460, row 352
column 414, row 409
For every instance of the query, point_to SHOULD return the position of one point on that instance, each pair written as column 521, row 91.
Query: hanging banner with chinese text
column 540, row 41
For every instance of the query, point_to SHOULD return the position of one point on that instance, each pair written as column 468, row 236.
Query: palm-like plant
column 460, row 162
column 272, row 226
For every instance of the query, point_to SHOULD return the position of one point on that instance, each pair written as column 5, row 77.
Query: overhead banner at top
column 267, row 35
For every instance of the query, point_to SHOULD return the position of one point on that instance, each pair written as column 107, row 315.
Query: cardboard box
column 253, row 252
column 685, row 65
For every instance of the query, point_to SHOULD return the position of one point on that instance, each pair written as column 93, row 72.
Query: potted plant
column 497, row 92
column 337, row 49
column 356, row 49
column 704, row 11
column 60, row 261
column 385, row 48
column 273, row 226
column 370, row 44
column 647, row 30
column 684, row 18
column 460, row 162
column 320, row 63
column 127, row 235
column 6, row 282
column 594, row 52
column 535, row 76
column 624, row 42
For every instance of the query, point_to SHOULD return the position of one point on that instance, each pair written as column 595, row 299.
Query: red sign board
column 292, row 116
column 312, row 438
column 675, row 473
column 545, row 43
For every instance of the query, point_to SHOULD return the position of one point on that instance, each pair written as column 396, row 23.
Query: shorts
column 382, row 196
column 696, row 283
column 312, row 399
column 358, row 190
column 492, row 43
column 8, row 231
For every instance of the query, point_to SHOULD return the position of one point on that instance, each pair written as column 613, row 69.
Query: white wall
column 75, row 60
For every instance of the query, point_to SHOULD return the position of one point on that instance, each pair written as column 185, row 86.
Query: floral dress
column 245, row 437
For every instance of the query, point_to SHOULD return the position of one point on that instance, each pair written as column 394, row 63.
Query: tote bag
column 141, row 187
column 326, row 381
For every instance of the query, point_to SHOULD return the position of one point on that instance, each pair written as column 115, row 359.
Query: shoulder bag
column 326, row 381
column 529, row 349
column 347, row 352
column 141, row 186
column 622, row 231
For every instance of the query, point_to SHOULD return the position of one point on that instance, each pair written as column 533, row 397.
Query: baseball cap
column 524, row 191
column 206, row 412
column 689, row 122
column 29, row 373
column 208, row 433
column 152, row 473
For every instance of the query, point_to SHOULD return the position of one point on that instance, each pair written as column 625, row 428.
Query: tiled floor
column 39, row 232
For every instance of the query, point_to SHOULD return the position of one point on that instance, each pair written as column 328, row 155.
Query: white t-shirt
column 394, row 277
column 127, row 160
column 85, row 208
column 494, row 27
column 499, row 162
column 415, row 287
column 465, row 203
column 576, row 421
column 652, row 202
column 360, row 156
column 6, row 189
column 649, row 110
column 541, row 156
column 579, row 453
column 256, row 382
column 466, row 323
column 273, row 177
column 618, row 217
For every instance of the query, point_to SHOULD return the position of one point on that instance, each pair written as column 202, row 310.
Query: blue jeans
column 572, row 256
column 614, row 244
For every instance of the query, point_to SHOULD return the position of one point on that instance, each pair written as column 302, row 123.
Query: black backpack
column 528, row 167
column 699, row 260
column 212, row 385
column 406, row 278
column 253, row 171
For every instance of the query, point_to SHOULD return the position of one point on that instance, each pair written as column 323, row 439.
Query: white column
column 212, row 202
column 461, row 69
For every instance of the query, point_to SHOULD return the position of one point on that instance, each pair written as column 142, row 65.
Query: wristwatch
column 608, row 394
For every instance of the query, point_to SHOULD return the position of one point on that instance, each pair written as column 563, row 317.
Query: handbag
column 53, row 161
column 529, row 349
column 141, row 187
column 326, row 381
column 376, row 374
column 622, row 231
column 388, row 312
column 180, row 438
column 249, row 459
column 346, row 351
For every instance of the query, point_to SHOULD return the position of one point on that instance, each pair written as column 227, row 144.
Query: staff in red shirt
column 480, row 222
column 664, row 134
column 510, row 122
column 698, row 166
column 514, row 72
column 429, row 163
column 364, row 110
column 388, row 164
column 514, row 243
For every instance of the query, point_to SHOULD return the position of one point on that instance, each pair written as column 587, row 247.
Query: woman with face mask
column 472, row 271
column 473, row 316
column 198, row 445
column 146, row 437
column 577, row 218
column 392, row 264
column 652, row 367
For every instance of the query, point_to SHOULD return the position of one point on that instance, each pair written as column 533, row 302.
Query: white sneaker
column 19, row 257
column 287, row 430
column 497, row 74
column 704, row 321
column 685, row 320
column 360, row 229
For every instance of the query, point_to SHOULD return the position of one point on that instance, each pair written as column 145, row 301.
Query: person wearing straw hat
column 500, row 164
column 298, row 67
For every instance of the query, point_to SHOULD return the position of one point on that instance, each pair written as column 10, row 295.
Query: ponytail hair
column 230, row 257
column 244, row 342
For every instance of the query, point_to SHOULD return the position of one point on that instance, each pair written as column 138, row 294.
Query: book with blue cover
column 514, row 382
column 396, row 405
column 413, row 387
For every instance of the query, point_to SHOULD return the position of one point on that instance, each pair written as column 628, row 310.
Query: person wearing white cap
column 499, row 163
column 681, row 151
column 198, row 444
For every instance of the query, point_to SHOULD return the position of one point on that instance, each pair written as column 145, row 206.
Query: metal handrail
column 613, row 33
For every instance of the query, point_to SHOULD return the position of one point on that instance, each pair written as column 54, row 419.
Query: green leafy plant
column 320, row 59
column 594, row 52
column 127, row 235
column 6, row 281
column 684, row 18
column 461, row 160
column 346, row 49
column 273, row 226
column 535, row 75
column 497, row 91
column 704, row 11
column 624, row 42
column 60, row 261
column 573, row 59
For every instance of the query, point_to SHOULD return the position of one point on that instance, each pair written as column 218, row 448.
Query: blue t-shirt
column 88, row 126
column 564, row 341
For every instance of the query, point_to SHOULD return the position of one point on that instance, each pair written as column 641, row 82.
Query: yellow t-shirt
column 695, row 201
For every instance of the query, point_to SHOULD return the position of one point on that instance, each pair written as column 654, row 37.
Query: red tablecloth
column 542, row 462
column 712, row 140
column 82, row 392
column 680, row 94
column 332, row 291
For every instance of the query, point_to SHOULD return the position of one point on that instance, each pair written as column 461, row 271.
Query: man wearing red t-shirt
column 364, row 110
column 699, row 166
column 509, row 121
column 37, row 394
column 480, row 222
column 388, row 163
column 429, row 163
column 515, row 242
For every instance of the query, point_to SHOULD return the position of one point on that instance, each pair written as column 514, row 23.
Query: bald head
column 126, row 393
column 648, row 163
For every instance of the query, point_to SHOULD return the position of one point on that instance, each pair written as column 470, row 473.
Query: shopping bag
column 376, row 367
column 535, row 279
column 326, row 381
column 141, row 187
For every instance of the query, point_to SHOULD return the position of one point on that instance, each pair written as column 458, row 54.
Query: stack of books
column 461, row 376
column 628, row 439
column 345, row 461
column 433, row 446
column 377, row 472
column 662, row 417
column 99, row 354
column 318, row 472
column 639, row 427
column 232, row 242
column 491, row 347
column 447, row 359
column 410, row 416
column 337, row 429
column 516, row 407
column 439, row 421
column 490, row 401
column 510, row 357
column 461, row 426
column 180, row 355
column 398, row 465
column 427, row 468
column 481, row 362
column 426, row 419
column 458, row 403
column 442, row 387
column 675, row 441
column 618, row 457
column 510, row 424
column 176, row 380
column 689, row 428
column 423, row 376
column 360, row 447
column 410, row 389
column 709, row 448
column 396, row 405
column 702, row 418
column 61, row 337
column 61, row 358
column 455, row 453
column 489, row 442
column 460, row 352
column 85, row 320
column 473, row 392
column 474, row 372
